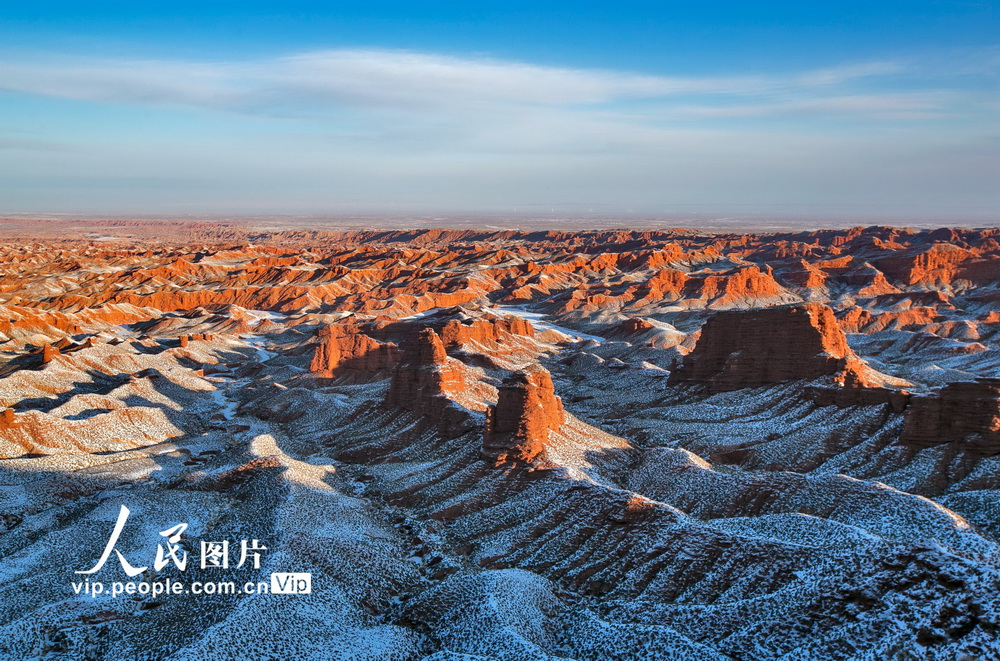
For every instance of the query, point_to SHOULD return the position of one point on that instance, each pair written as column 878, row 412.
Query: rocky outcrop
column 859, row 320
column 457, row 332
column 8, row 419
column 938, row 264
column 632, row 327
column 965, row 414
column 743, row 287
column 423, row 373
column 664, row 285
column 806, row 276
column 343, row 348
column 527, row 409
column 897, row 400
column 422, row 381
column 49, row 353
column 771, row 345
column 184, row 340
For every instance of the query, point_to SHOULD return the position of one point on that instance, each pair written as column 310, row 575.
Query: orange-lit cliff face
column 662, row 444
column 741, row 349
column 527, row 409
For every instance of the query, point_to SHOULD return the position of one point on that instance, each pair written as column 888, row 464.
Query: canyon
column 505, row 444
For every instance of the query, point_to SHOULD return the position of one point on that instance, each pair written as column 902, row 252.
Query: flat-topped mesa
column 633, row 326
column 344, row 348
column 457, row 332
column 422, row 381
column 517, row 428
column 747, row 349
column 965, row 414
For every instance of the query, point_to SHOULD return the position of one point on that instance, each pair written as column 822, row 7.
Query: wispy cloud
column 377, row 127
column 887, row 106
column 387, row 79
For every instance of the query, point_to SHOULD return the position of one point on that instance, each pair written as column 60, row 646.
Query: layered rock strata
column 527, row 409
column 422, row 381
column 965, row 414
column 344, row 348
column 456, row 332
column 740, row 349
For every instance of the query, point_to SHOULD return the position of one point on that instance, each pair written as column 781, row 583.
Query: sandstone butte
column 457, row 332
column 747, row 349
column 527, row 409
column 964, row 413
column 344, row 347
column 422, row 381
column 631, row 327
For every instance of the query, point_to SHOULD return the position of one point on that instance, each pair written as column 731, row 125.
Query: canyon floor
column 503, row 444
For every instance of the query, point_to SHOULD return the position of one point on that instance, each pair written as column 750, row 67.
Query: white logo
column 215, row 555
column 291, row 583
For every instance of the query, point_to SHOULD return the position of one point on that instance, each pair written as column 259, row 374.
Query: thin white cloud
column 847, row 73
column 395, row 79
column 902, row 105
column 404, row 128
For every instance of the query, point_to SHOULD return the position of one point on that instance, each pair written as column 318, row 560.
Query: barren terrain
column 505, row 444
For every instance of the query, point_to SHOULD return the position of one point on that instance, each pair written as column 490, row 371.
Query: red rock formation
column 965, row 413
column 457, row 332
column 859, row 320
column 872, row 282
column 585, row 299
column 517, row 428
column 667, row 284
column 184, row 339
column 743, row 287
column 935, row 265
column 634, row 326
column 422, row 381
column 49, row 353
column 646, row 259
column 8, row 419
column 769, row 345
column 423, row 374
column 806, row 276
column 750, row 283
column 898, row 400
column 980, row 271
column 343, row 347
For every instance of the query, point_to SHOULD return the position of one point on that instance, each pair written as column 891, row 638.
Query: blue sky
column 881, row 110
